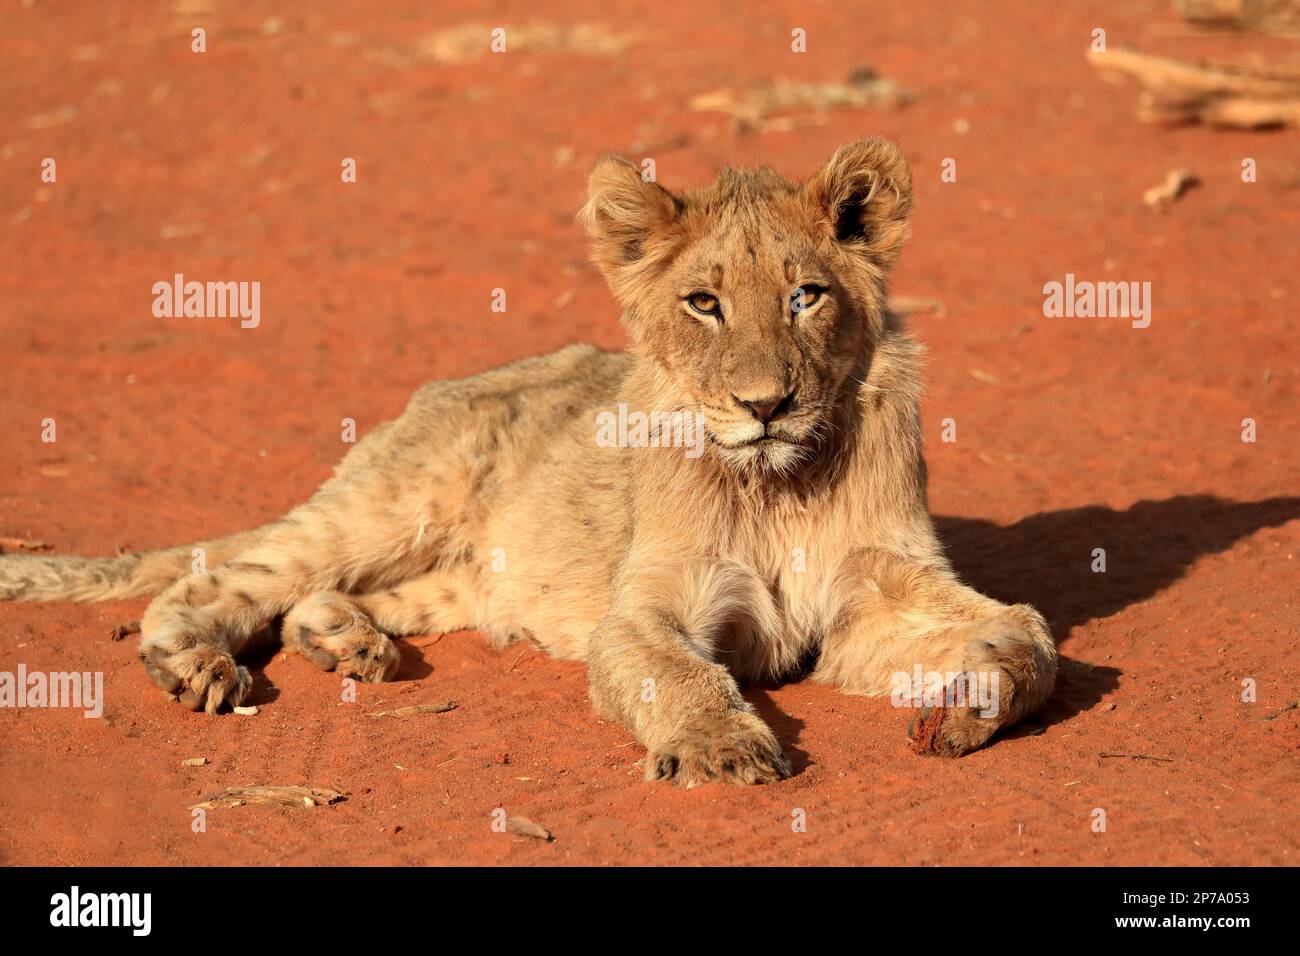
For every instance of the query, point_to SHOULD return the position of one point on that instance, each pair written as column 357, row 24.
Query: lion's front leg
column 963, row 664
column 647, row 671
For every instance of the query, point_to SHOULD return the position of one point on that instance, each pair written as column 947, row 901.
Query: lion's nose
column 766, row 409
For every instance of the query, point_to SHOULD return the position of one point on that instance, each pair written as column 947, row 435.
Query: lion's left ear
column 864, row 196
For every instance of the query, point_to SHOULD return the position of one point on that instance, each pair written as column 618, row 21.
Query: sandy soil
column 1073, row 434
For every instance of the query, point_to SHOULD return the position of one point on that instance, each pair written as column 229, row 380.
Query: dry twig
column 755, row 108
column 1237, row 95
column 22, row 544
column 272, row 795
column 1281, row 17
column 525, row 827
column 1140, row 757
column 1162, row 195
column 417, row 709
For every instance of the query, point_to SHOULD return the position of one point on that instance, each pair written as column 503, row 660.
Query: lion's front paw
column 738, row 748
column 1006, row 672
column 201, row 677
column 950, row 731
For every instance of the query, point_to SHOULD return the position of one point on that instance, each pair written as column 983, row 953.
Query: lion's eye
column 805, row 297
column 705, row 304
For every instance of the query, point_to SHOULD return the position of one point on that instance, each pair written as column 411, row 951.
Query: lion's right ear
column 630, row 221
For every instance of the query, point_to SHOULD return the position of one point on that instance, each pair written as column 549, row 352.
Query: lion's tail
column 30, row 577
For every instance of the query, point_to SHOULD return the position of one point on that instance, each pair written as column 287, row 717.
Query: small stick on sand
column 1139, row 757
column 277, row 796
column 1161, row 196
column 194, row 762
column 1241, row 95
column 1184, row 80
column 798, row 102
column 1291, row 706
column 525, row 827
column 22, row 544
column 442, row 708
column 1278, row 17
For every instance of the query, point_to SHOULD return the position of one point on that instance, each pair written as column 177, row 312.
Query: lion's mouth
column 791, row 433
column 760, row 441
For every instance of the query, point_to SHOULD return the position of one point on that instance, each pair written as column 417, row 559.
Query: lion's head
column 755, row 297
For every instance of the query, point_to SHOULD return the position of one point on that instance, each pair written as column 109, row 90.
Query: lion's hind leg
column 332, row 631
column 191, row 632
column 435, row 602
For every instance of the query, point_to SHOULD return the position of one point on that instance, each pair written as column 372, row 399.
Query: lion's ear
column 864, row 195
column 629, row 219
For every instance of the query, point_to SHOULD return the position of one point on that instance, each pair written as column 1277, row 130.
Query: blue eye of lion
column 805, row 297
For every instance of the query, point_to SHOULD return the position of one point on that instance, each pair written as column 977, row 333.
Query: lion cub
column 793, row 530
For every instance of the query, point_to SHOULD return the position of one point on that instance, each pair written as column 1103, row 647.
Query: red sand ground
column 1073, row 433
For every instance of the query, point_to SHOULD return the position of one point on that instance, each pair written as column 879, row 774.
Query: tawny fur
column 489, row 504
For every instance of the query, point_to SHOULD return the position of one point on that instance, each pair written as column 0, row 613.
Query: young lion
column 799, row 531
